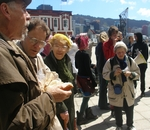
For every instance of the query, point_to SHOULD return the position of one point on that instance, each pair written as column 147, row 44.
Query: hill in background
column 131, row 23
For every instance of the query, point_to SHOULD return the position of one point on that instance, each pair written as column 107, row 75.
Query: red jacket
column 108, row 49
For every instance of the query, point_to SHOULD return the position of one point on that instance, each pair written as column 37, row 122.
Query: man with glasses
column 22, row 106
column 35, row 38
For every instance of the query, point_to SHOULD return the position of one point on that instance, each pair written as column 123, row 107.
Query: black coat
column 83, row 64
column 140, row 46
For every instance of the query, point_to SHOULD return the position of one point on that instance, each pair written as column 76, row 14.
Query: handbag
column 86, row 84
column 117, row 89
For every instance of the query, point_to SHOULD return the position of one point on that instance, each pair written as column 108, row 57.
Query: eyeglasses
column 35, row 41
column 63, row 47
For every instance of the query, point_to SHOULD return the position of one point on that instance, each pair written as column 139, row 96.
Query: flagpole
column 61, row 4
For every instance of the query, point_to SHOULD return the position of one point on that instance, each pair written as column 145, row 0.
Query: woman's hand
column 118, row 71
column 65, row 116
column 127, row 73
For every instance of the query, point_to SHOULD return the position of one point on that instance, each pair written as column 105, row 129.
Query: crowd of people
column 40, row 73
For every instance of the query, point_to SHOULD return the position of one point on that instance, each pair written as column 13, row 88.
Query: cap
column 27, row 2
column 73, row 38
column 82, row 42
column 120, row 44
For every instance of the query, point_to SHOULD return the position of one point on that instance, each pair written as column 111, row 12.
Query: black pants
column 102, row 92
column 142, row 77
column 129, row 114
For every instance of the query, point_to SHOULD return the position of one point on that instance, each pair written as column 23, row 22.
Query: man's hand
column 58, row 92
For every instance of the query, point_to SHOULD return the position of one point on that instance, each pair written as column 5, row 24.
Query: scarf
column 64, row 73
column 123, row 65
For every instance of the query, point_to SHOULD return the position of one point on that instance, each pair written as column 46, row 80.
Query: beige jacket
column 128, row 90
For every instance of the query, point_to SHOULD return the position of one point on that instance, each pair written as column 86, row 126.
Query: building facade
column 57, row 21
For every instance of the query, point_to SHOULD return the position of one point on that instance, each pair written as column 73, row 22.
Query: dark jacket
column 140, row 46
column 83, row 64
column 100, row 59
column 68, row 104
column 22, row 107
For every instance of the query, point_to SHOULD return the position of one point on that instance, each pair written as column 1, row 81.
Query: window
column 65, row 24
column 45, row 20
column 55, row 22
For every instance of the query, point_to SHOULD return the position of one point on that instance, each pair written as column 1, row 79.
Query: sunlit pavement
column 106, row 122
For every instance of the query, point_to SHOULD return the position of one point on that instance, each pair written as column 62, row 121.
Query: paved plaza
column 106, row 122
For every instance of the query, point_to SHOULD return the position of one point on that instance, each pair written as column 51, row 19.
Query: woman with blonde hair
column 59, row 61
column 102, row 103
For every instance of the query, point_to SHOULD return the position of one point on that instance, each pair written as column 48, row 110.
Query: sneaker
column 119, row 128
column 131, row 128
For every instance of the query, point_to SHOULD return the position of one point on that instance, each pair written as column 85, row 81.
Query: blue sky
column 138, row 9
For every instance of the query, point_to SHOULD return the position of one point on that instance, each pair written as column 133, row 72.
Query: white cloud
column 131, row 7
column 127, row 2
column 83, row 0
column 108, row 1
column 144, row 1
column 130, row 4
column 123, row 1
column 144, row 12
column 69, row 2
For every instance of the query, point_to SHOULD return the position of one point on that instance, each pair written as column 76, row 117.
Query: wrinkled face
column 18, row 18
column 34, row 41
column 120, row 52
column 59, row 49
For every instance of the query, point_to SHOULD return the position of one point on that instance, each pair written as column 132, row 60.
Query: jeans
column 84, row 105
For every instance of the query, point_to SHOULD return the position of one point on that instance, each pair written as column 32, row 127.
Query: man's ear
column 5, row 10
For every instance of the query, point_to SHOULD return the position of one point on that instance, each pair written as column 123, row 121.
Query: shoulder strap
column 130, row 60
column 111, row 62
column 111, row 65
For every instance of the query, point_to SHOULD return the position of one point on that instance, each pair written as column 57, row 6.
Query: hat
column 27, row 2
column 82, row 42
column 72, row 38
column 61, row 38
column 119, row 45
column 103, row 37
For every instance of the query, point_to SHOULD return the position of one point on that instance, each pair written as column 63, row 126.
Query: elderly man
column 22, row 105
